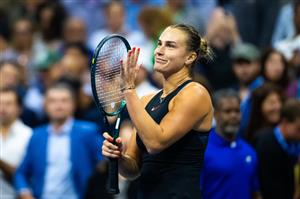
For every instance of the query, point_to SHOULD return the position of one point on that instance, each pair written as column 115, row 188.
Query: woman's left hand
column 130, row 68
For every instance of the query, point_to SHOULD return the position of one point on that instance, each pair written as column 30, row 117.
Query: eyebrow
column 168, row 42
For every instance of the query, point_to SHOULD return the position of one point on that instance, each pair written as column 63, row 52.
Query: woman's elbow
column 155, row 148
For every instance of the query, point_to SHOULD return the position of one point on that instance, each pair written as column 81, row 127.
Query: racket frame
column 112, row 185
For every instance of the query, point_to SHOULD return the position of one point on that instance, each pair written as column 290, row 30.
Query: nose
column 159, row 50
column 235, row 116
column 277, row 106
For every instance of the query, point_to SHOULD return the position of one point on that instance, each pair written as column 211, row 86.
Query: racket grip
column 113, row 177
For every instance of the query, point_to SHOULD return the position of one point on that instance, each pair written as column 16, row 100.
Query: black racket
column 107, row 89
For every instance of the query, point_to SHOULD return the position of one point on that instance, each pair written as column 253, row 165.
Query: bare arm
column 128, row 156
column 186, row 110
column 126, row 149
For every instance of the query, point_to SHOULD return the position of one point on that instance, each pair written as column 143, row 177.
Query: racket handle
column 113, row 177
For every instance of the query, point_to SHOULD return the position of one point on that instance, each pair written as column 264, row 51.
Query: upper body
column 183, row 159
column 228, row 164
column 284, row 27
column 265, row 110
column 229, row 161
column 82, row 155
column 246, row 68
column 187, row 114
column 114, row 15
column 272, row 161
column 290, row 46
column 277, row 150
column 61, row 155
column 13, row 132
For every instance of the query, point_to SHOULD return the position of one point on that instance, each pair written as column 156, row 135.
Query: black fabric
column 276, row 167
column 175, row 172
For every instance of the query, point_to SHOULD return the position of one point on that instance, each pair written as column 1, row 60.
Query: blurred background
column 44, row 41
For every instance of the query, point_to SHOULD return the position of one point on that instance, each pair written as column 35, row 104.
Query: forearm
column 128, row 167
column 7, row 169
column 148, row 130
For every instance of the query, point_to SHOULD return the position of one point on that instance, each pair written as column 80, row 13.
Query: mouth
column 160, row 61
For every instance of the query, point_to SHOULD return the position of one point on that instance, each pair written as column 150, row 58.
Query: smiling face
column 271, row 108
column 274, row 67
column 171, row 53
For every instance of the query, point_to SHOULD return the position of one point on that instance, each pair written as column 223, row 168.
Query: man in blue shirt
column 230, row 164
column 61, row 155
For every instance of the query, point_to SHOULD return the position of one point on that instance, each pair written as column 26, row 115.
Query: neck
column 173, row 81
column 4, row 128
column 117, row 29
column 220, row 132
column 57, row 124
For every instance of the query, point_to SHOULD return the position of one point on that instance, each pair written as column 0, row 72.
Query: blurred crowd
column 45, row 51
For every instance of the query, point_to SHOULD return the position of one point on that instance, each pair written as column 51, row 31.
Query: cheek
column 274, row 72
column 238, row 71
column 266, row 108
column 271, row 113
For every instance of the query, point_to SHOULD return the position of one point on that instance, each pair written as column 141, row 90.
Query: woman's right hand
column 109, row 149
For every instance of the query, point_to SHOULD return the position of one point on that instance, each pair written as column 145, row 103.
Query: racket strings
column 108, row 74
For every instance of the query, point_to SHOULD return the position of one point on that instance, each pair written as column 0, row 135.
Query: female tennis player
column 172, row 127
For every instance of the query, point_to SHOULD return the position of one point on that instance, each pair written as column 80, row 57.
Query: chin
column 59, row 118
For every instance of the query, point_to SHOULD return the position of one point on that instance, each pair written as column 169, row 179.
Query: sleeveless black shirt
column 174, row 173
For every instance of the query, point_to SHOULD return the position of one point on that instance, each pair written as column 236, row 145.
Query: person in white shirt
column 14, row 136
column 115, row 18
column 290, row 47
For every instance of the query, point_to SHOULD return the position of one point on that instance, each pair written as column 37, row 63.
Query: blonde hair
column 195, row 42
column 205, row 50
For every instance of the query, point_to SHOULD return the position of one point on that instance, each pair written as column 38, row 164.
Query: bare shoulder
column 192, row 96
column 195, row 91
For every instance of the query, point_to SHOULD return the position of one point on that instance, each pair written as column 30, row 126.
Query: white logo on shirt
column 248, row 159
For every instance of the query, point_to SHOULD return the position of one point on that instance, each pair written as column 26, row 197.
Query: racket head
column 106, row 78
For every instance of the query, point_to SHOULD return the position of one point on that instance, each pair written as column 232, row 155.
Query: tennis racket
column 107, row 89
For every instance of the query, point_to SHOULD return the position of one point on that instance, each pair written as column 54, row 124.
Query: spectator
column 265, row 110
column 22, row 42
column 152, row 20
column 284, row 27
column 222, row 35
column 14, row 137
column 47, row 73
column 229, row 161
column 182, row 12
column 275, row 70
column 115, row 24
column 278, row 149
column 12, row 75
column 50, row 17
column 291, row 49
column 291, row 46
column 5, row 34
column 75, row 32
column 62, row 154
column 246, row 68
column 256, row 20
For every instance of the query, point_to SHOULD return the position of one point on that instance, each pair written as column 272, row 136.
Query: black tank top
column 173, row 173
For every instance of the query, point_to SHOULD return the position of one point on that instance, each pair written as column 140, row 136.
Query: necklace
column 163, row 96
column 161, row 99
